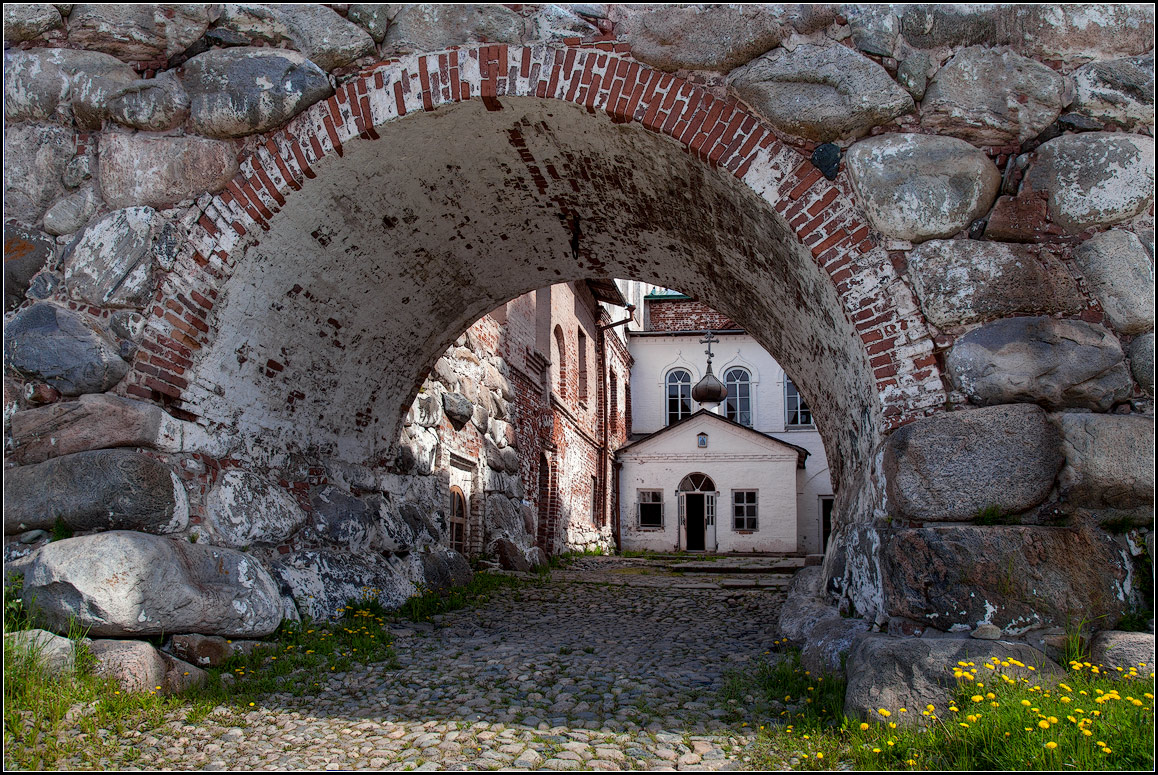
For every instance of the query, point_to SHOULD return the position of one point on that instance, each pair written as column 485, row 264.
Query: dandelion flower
column 1051, row 745
column 863, row 726
column 1043, row 724
column 884, row 712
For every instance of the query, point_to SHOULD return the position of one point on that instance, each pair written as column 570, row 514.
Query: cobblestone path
column 610, row 665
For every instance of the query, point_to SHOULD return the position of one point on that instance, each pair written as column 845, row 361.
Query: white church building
column 724, row 455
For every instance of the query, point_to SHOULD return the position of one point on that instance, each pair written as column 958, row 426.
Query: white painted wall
column 655, row 356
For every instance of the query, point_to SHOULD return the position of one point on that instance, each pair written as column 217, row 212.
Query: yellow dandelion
column 1051, row 745
column 1043, row 724
column 863, row 726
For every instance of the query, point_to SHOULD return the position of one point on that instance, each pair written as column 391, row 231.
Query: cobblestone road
column 610, row 665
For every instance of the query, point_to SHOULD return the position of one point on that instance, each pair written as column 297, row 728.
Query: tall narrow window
column 613, row 409
column 561, row 363
column 739, row 401
column 582, row 368
column 798, row 415
column 679, row 395
column 457, row 520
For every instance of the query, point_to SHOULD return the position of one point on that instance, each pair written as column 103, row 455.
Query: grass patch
column 993, row 515
column 1087, row 721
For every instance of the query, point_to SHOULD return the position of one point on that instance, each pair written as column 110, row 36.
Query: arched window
column 797, row 413
column 561, row 363
column 679, row 395
column 457, row 520
column 739, row 401
column 697, row 483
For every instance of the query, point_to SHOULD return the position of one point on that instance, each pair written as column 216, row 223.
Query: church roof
column 801, row 452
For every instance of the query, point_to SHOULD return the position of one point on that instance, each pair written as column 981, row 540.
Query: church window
column 457, row 520
column 650, row 508
column 739, row 401
column 561, row 363
column 679, row 395
column 797, row 413
column 744, row 510
column 582, row 348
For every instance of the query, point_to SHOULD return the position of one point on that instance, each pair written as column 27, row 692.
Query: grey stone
column 343, row 519
column 1094, row 178
column 94, row 421
column 966, row 281
column 323, row 581
column 874, row 28
column 913, row 74
column 555, row 23
column 1109, row 460
column 934, row 26
column 429, row 408
column 111, row 489
column 992, row 97
column 1118, row 91
column 55, row 652
column 153, row 104
column 444, row 569
column 35, row 158
column 1119, row 271
column 911, row 673
column 63, row 348
column 244, row 508
column 1078, row 32
column 536, row 557
column 328, row 40
column 458, row 409
column 509, row 555
column 138, row 32
column 123, row 583
column 951, row 466
column 1056, row 363
column 26, row 21
column 26, row 252
column 372, row 17
column 134, row 664
column 78, row 170
column 1016, row 577
column 435, row 27
column 61, row 85
column 803, row 608
column 201, row 650
column 71, row 213
column 161, row 171
column 111, row 263
column 1142, row 361
column 1113, row 649
column 986, row 631
column 919, row 187
column 504, row 518
column 243, row 91
column 718, row 38
column 820, row 92
column 829, row 644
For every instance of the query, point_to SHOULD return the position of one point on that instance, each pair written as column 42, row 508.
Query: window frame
column 684, row 397
column 732, row 403
column 462, row 519
column 639, row 503
column 751, row 511
column 794, row 403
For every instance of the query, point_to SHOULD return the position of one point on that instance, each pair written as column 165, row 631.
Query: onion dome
column 709, row 390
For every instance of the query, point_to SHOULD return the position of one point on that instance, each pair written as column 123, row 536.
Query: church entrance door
column 694, row 511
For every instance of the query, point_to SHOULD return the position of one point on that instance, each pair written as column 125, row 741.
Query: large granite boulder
column 1119, row 271
column 992, row 97
column 161, row 171
column 137, row 33
column 1118, row 91
column 62, row 85
column 327, row 39
column 243, row 91
column 151, row 104
column 1056, row 363
column 912, row 673
column 920, row 187
column 966, row 281
column 829, row 643
column 1114, row 650
column 874, row 28
column 952, row 466
column 63, row 348
column 510, row 556
column 138, row 667
column 1015, row 577
column 1076, row 31
column 68, row 215
column 35, row 159
column 26, row 252
column 444, row 569
column 323, row 581
column 717, row 37
column 109, row 489
column 1109, row 460
column 374, row 18
column 123, row 583
column 55, row 653
column 820, row 93
column 345, row 520
column 112, row 262
column 1094, row 178
column 436, row 27
column 244, row 509
column 1142, row 361
column 26, row 21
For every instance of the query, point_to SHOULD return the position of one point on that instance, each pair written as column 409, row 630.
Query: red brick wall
column 686, row 315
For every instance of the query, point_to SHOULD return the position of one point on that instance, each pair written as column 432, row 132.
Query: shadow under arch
column 361, row 240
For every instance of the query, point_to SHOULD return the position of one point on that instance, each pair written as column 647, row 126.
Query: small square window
column 744, row 510
column 650, row 508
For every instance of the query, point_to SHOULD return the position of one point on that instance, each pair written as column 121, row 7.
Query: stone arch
column 813, row 227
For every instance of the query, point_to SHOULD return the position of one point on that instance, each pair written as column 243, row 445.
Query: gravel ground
column 610, row 665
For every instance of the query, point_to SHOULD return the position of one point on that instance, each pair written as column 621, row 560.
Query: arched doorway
column 697, row 510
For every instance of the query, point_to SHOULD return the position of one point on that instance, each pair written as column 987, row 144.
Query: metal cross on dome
column 709, row 339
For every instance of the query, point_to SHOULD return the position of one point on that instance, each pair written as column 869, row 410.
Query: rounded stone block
column 952, row 466
column 25, row 21
column 244, row 509
column 1120, row 272
column 820, row 93
column 152, row 104
column 123, row 583
column 1056, row 363
column 138, row 32
column 109, row 489
column 920, row 187
column 26, row 252
column 96, row 421
column 717, row 38
column 112, row 262
column 1115, row 649
column 1109, row 460
column 323, row 581
column 1094, row 178
column 966, row 281
column 1142, row 361
column 63, row 348
column 35, row 159
column 1118, row 91
column 161, row 171
column 328, row 40
column 435, row 27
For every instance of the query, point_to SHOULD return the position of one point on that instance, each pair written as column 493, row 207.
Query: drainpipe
column 604, row 451
column 616, row 512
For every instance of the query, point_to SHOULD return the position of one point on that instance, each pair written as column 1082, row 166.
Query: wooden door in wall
column 694, row 519
column 697, row 494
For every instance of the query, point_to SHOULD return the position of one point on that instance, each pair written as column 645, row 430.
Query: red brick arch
column 602, row 77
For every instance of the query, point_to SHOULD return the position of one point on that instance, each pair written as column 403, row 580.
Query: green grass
column 1088, row 721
